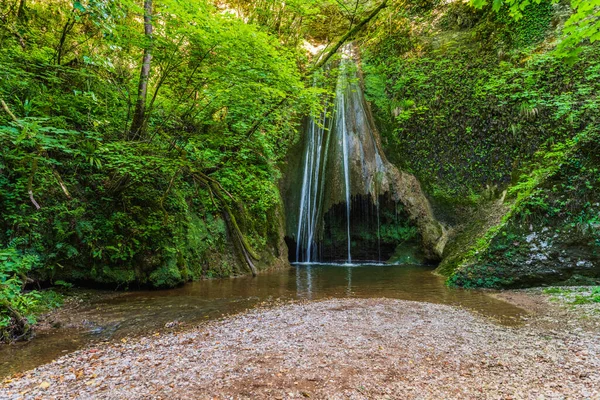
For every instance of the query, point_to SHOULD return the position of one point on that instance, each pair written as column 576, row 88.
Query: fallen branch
column 259, row 121
column 246, row 249
column 61, row 183
column 34, row 165
column 216, row 190
column 23, row 326
column 14, row 118
column 164, row 196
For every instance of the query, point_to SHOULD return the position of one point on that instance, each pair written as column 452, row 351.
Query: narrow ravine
column 299, row 199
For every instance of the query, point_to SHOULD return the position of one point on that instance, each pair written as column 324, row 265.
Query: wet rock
column 547, row 238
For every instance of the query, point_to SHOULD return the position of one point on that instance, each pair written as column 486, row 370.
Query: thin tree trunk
column 350, row 34
column 139, row 115
column 354, row 14
column 63, row 37
column 21, row 10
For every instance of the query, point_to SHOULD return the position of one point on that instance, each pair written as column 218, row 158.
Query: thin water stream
column 342, row 130
column 146, row 312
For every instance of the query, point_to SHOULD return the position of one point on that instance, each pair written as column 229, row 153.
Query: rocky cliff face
column 472, row 102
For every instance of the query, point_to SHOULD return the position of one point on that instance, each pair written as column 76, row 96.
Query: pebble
column 333, row 349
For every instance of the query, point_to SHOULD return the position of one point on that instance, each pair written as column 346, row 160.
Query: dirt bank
column 334, row 349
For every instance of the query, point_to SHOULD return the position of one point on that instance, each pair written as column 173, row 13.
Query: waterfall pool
column 147, row 312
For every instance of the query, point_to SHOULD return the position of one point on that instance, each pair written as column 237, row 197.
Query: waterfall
column 342, row 131
column 312, row 191
column 316, row 153
column 342, row 189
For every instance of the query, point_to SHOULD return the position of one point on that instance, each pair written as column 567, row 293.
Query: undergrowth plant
column 18, row 307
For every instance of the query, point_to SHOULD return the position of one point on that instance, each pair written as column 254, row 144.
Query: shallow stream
column 147, row 312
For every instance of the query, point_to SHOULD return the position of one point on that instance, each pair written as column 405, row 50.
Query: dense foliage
column 84, row 197
column 475, row 102
column 18, row 309
column 465, row 106
column 140, row 139
column 583, row 23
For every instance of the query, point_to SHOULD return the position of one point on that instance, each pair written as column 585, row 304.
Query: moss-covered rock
column 186, row 244
column 466, row 236
column 469, row 101
column 551, row 236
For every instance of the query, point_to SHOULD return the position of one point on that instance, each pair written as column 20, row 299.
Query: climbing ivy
column 463, row 114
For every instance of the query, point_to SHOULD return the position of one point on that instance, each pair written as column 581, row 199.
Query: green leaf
column 78, row 6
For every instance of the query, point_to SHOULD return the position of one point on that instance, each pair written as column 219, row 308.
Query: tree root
column 23, row 328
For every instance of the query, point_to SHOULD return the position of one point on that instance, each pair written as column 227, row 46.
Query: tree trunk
column 63, row 37
column 139, row 116
column 21, row 11
column 349, row 35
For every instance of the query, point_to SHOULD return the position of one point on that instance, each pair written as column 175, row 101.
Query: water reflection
column 304, row 287
column 349, row 290
column 145, row 312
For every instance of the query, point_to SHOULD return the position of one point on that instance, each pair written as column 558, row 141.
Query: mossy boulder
column 551, row 237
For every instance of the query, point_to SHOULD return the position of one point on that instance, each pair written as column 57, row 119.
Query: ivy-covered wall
column 475, row 104
column 464, row 97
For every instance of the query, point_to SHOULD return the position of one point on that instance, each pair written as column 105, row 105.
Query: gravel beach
column 333, row 349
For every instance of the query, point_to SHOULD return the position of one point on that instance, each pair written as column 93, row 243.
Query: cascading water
column 312, row 191
column 319, row 131
column 316, row 153
column 342, row 131
column 350, row 196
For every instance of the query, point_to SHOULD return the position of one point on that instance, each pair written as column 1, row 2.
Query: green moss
column 166, row 276
column 575, row 296
column 586, row 299
column 466, row 108
column 550, row 233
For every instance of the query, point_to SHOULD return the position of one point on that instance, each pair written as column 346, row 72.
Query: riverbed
column 334, row 349
column 113, row 317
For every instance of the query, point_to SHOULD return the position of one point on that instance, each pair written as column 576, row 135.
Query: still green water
column 146, row 312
